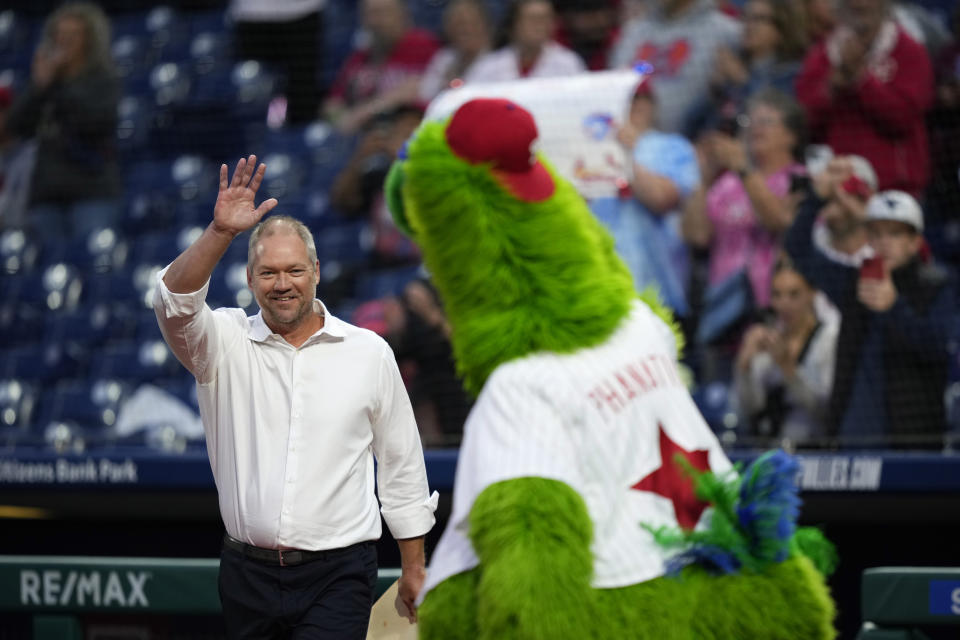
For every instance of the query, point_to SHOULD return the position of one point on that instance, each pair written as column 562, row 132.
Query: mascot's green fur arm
column 532, row 536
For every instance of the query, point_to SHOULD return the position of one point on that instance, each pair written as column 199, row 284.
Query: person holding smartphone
column 896, row 309
column 784, row 368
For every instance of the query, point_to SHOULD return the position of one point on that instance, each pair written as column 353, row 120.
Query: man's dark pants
column 325, row 598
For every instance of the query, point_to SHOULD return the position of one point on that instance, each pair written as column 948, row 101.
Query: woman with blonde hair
column 70, row 110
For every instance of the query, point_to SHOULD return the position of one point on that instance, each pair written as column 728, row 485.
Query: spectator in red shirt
column 866, row 89
column 385, row 73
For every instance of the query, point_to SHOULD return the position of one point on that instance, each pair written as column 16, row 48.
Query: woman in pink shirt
column 743, row 214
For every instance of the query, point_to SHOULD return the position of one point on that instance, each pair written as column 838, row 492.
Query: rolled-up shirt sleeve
column 189, row 327
column 406, row 502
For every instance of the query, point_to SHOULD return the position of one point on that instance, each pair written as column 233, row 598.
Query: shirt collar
column 332, row 326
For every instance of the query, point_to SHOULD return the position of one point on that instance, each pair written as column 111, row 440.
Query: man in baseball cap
column 896, row 310
column 894, row 227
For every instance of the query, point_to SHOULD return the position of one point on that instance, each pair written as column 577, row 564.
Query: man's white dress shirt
column 596, row 420
column 292, row 432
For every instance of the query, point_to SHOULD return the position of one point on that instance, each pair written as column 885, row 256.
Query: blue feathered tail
column 753, row 521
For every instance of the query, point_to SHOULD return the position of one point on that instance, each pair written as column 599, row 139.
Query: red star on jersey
column 671, row 482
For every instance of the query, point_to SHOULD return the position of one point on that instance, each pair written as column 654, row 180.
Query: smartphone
column 799, row 183
column 872, row 268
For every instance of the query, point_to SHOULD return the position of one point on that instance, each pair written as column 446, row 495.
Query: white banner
column 577, row 117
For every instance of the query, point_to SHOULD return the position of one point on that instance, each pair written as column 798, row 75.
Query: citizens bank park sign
column 852, row 472
column 68, row 471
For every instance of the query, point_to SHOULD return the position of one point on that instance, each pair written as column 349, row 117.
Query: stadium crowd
column 793, row 193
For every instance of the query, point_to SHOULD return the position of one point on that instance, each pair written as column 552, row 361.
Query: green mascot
column 591, row 500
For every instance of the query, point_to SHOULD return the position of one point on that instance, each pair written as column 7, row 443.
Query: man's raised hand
column 235, row 212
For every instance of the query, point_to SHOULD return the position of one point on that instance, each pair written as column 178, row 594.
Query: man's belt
column 284, row 557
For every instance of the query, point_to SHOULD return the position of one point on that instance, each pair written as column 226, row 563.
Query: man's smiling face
column 283, row 281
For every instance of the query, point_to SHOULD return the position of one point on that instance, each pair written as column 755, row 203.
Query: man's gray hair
column 97, row 27
column 281, row 224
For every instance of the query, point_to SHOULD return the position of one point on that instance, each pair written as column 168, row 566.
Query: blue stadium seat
column 131, row 289
column 89, row 325
column 212, row 21
column 15, row 63
column 102, row 251
column 311, row 206
column 326, row 146
column 348, row 244
column 65, row 438
column 184, row 388
column 135, row 362
column 237, row 251
column 284, row 177
column 57, row 287
column 16, row 37
column 10, row 31
column 428, row 14
column 151, row 196
column 340, row 22
column 245, row 88
column 19, row 323
column 322, row 177
column 148, row 212
column 713, row 400
column 208, row 119
column 194, row 213
column 92, row 404
column 146, row 329
column 228, row 287
column 209, row 52
column 212, row 88
column 170, row 83
column 19, row 401
column 134, row 119
column 291, row 140
column 131, row 55
column 253, row 86
column 132, row 23
column 167, row 30
column 188, row 234
column 14, row 76
column 952, row 400
column 151, row 174
column 390, row 282
column 157, row 248
column 19, row 252
column 195, row 177
column 118, row 289
column 41, row 363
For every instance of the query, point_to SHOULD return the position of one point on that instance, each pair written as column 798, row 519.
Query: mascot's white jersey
column 600, row 420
